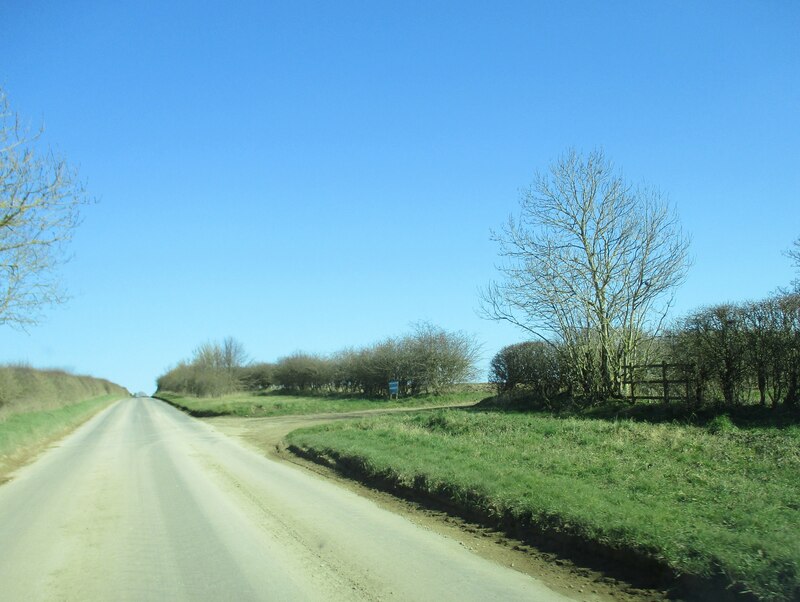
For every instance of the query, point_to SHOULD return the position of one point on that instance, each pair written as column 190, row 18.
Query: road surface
column 144, row 503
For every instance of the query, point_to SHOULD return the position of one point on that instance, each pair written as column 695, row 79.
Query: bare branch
column 40, row 199
column 590, row 262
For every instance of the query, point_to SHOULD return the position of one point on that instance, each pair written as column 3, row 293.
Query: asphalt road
column 145, row 503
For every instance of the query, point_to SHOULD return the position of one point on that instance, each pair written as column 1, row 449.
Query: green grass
column 705, row 501
column 250, row 405
column 23, row 433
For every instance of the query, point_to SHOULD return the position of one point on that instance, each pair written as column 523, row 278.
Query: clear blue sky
column 318, row 175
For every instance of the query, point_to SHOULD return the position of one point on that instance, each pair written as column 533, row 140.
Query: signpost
column 394, row 388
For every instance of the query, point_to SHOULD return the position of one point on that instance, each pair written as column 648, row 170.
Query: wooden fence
column 664, row 382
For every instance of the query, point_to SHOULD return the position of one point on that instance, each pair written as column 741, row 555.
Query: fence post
column 686, row 376
column 665, row 382
column 628, row 369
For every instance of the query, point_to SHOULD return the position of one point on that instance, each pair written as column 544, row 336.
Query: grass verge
column 250, row 405
column 23, row 435
column 713, row 509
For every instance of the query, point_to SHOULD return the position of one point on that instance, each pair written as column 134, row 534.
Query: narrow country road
column 145, row 503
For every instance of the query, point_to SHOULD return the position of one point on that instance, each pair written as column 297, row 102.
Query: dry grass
column 24, row 389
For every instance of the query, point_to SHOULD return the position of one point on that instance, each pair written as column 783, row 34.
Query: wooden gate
column 664, row 382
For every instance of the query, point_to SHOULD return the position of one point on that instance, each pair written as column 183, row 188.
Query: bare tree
column 794, row 254
column 438, row 358
column 208, row 356
column 222, row 361
column 234, row 355
column 40, row 198
column 590, row 265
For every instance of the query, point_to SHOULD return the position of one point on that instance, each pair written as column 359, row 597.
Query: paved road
column 145, row 503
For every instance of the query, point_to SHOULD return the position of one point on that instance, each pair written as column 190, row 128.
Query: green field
column 272, row 404
column 716, row 502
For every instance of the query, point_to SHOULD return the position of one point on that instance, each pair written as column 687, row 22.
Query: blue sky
column 318, row 175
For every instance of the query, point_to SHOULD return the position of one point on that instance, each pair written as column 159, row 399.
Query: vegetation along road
column 143, row 502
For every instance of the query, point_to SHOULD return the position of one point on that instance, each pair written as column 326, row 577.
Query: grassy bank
column 24, row 389
column 41, row 406
column 272, row 404
column 24, row 434
column 716, row 503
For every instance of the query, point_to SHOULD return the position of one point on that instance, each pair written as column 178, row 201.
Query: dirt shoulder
column 265, row 435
